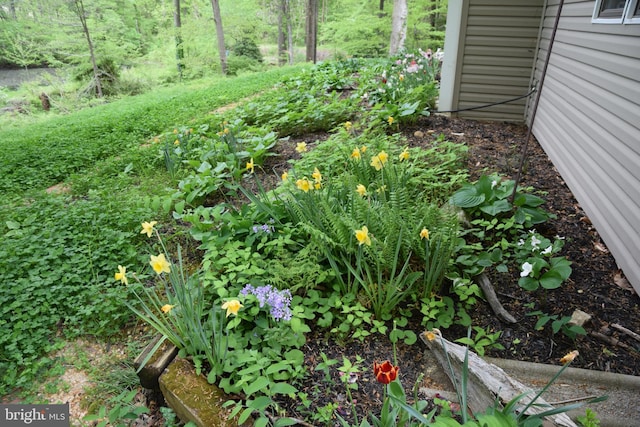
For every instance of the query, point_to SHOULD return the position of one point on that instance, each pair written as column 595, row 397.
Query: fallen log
column 486, row 382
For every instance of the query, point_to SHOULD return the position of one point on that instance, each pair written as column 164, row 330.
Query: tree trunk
column 79, row 6
column 381, row 5
column 312, row 30
column 12, row 9
column 289, row 33
column 177, row 24
column 398, row 26
column 217, row 18
column 281, row 44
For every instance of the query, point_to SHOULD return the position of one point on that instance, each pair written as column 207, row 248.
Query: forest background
column 126, row 47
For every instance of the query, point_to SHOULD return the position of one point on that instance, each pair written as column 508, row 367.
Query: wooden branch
column 609, row 340
column 626, row 331
column 492, row 299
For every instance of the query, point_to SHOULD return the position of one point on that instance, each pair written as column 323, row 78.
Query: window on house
column 616, row 12
column 611, row 8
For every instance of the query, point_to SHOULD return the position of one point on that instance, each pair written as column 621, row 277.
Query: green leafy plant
column 589, row 419
column 482, row 340
column 558, row 324
column 120, row 412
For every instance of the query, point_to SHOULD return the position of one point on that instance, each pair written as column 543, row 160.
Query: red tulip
column 385, row 372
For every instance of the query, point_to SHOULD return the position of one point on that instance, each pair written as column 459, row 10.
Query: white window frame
column 625, row 18
column 628, row 17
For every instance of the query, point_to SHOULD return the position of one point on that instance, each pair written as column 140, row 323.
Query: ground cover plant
column 354, row 238
column 58, row 247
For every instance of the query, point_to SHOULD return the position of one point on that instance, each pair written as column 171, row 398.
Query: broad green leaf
column 467, row 198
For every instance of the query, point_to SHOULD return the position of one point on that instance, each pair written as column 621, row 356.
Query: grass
column 57, row 251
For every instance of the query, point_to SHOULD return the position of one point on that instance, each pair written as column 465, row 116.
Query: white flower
column 535, row 242
column 559, row 237
column 527, row 268
column 521, row 242
column 547, row 251
column 493, row 184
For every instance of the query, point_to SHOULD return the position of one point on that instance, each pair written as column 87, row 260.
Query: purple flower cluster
column 264, row 227
column 278, row 301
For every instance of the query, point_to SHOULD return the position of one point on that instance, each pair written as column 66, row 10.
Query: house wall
column 588, row 122
column 490, row 47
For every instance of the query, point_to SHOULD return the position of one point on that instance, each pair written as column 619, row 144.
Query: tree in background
column 78, row 7
column 285, row 31
column 217, row 18
column 312, row 30
column 398, row 26
column 177, row 23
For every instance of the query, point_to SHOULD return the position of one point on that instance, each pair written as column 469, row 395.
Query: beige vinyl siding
column 588, row 122
column 498, row 48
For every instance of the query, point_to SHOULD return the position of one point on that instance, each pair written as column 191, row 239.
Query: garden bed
column 596, row 286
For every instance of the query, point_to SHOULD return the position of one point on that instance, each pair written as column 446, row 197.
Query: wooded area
column 191, row 38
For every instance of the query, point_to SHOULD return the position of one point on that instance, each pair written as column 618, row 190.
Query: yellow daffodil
column 285, row 176
column 376, row 163
column 390, row 120
column 301, row 147
column 147, row 228
column 166, row 308
column 160, row 264
column 317, row 176
column 382, row 189
column 122, row 275
column 250, row 165
column 404, row 155
column 363, row 149
column 175, row 131
column 226, row 131
column 303, row 184
column 176, row 142
column 569, row 357
column 424, row 234
column 383, row 156
column 401, row 78
column 363, row 236
column 232, row 307
column 317, row 186
column 348, row 126
column 361, row 190
column 355, row 154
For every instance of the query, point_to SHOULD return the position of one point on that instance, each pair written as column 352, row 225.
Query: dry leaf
column 622, row 282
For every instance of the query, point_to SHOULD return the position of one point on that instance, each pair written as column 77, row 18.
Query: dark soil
column 596, row 285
